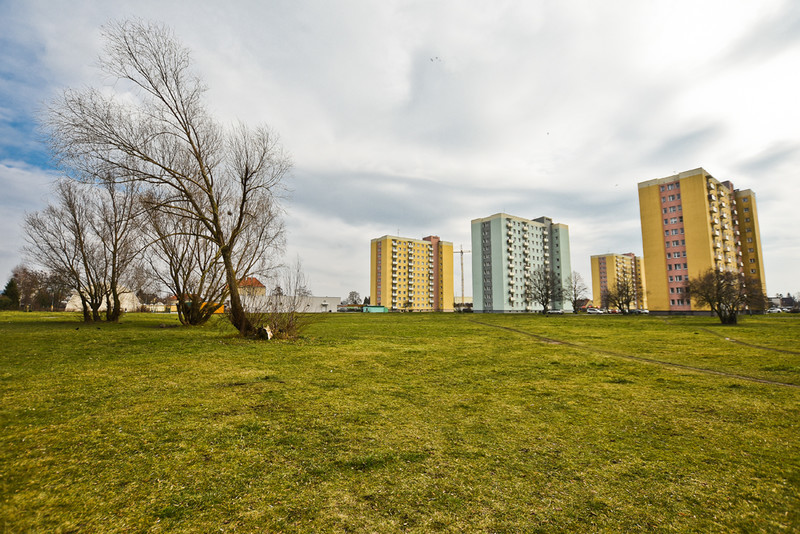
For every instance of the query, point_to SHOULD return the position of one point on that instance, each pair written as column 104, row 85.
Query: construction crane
column 461, row 252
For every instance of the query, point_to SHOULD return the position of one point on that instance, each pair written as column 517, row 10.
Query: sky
column 412, row 118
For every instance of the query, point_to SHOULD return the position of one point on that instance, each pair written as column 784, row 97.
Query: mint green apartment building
column 506, row 252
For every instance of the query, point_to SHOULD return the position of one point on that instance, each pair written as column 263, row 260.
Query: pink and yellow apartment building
column 411, row 274
column 692, row 222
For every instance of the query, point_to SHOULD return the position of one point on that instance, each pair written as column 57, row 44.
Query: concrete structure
column 691, row 222
column 608, row 269
column 411, row 274
column 506, row 251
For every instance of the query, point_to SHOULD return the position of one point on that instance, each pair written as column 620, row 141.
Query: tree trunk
column 238, row 317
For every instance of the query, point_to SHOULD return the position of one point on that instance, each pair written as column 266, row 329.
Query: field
column 410, row 422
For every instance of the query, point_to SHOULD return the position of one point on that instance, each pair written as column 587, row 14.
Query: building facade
column 692, row 222
column 610, row 269
column 506, row 252
column 411, row 274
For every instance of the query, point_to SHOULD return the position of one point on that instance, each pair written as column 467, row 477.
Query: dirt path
column 552, row 341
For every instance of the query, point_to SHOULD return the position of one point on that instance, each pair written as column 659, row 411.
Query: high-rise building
column 507, row 251
column 612, row 271
column 691, row 222
column 411, row 274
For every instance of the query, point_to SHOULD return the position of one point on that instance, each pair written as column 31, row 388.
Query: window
column 675, row 243
column 666, row 232
column 672, row 197
column 752, row 271
column 679, row 290
column 680, row 219
column 749, row 239
column 672, row 302
column 662, row 188
column 663, row 210
column 748, row 230
column 669, row 266
column 672, row 290
column 663, row 199
column 665, row 221
column 679, row 278
column 669, row 255
column 752, row 260
column 670, row 186
column 751, row 249
column 667, row 244
column 670, row 279
column 683, row 241
column 679, row 196
column 672, row 209
column 747, row 219
column 747, row 210
column 685, row 265
column 745, row 199
column 684, row 253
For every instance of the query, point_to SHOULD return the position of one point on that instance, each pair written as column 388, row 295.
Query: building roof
column 250, row 281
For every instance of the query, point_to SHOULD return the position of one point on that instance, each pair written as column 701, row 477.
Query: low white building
column 128, row 302
column 285, row 303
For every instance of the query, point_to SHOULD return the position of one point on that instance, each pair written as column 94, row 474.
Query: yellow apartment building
column 692, row 222
column 607, row 269
column 411, row 274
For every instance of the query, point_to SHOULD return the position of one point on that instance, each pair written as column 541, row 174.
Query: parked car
column 774, row 310
column 640, row 312
column 556, row 312
column 594, row 311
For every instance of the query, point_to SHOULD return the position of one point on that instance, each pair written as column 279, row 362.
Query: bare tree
column 353, row 298
column 116, row 217
column 726, row 293
column 281, row 312
column 575, row 290
column 162, row 136
column 622, row 294
column 60, row 239
column 188, row 266
column 544, row 287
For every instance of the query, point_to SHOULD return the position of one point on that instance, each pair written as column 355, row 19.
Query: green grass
column 412, row 422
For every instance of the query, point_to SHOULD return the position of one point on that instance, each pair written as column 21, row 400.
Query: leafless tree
column 188, row 266
column 282, row 311
column 622, row 293
column 544, row 287
column 575, row 290
column 116, row 216
column 726, row 293
column 155, row 129
column 353, row 298
column 60, row 238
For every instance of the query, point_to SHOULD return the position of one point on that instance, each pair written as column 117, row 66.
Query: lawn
column 410, row 422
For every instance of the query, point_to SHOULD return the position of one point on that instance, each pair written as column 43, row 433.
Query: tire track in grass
column 762, row 347
column 642, row 359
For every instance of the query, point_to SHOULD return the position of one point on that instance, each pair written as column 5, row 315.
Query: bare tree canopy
column 575, row 290
column 622, row 293
column 152, row 127
column 726, row 293
column 544, row 288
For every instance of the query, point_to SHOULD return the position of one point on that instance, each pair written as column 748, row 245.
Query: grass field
column 411, row 422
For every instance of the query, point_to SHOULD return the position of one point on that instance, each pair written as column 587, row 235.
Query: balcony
column 714, row 209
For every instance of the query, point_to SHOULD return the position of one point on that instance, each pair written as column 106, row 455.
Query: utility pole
column 461, row 252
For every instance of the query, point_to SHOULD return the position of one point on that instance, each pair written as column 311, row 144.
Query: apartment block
column 411, row 274
column 506, row 251
column 610, row 269
column 692, row 222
